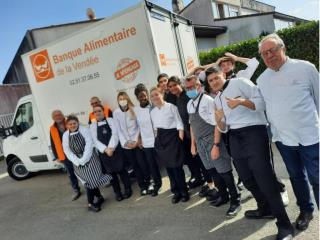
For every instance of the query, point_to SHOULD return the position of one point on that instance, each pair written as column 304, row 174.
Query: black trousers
column 124, row 176
column 193, row 163
column 226, row 185
column 91, row 193
column 177, row 180
column 250, row 152
column 73, row 178
column 205, row 173
column 140, row 166
column 153, row 166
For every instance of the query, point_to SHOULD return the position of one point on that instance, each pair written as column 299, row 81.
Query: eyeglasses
column 271, row 51
column 97, row 111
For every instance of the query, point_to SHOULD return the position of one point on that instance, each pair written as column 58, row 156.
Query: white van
column 111, row 55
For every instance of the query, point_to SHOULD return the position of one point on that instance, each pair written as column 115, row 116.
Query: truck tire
column 17, row 170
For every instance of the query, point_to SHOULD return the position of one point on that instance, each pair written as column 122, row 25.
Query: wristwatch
column 216, row 144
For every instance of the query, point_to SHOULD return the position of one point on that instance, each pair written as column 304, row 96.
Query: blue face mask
column 192, row 93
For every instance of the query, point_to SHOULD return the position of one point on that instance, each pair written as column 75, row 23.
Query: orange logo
column 41, row 66
column 127, row 70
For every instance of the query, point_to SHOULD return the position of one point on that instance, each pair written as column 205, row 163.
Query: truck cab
column 25, row 148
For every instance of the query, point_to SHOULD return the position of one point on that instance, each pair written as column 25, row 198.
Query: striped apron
column 204, row 136
column 89, row 174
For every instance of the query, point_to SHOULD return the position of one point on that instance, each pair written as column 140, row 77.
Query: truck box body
column 112, row 55
column 106, row 57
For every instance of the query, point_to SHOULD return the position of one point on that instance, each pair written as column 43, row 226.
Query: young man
column 240, row 110
column 227, row 65
column 95, row 101
column 56, row 132
column 206, row 140
column 162, row 84
column 290, row 89
column 193, row 163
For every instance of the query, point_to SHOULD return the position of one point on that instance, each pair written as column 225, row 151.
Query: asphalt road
column 40, row 209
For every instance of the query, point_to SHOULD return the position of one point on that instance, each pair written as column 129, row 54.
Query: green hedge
column 302, row 42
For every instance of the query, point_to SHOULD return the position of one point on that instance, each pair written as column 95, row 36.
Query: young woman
column 147, row 136
column 168, row 143
column 106, row 141
column 79, row 149
column 128, row 131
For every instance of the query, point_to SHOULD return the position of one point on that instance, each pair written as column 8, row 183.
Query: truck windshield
column 24, row 117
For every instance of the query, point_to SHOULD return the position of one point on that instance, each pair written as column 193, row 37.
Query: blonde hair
column 130, row 103
column 156, row 89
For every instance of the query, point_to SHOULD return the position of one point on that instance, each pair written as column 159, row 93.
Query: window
column 221, row 10
column 24, row 118
column 233, row 11
column 215, row 10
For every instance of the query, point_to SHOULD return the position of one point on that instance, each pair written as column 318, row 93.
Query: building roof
column 276, row 15
column 190, row 3
column 10, row 95
column 205, row 31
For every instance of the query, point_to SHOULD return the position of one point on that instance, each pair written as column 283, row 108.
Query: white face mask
column 123, row 103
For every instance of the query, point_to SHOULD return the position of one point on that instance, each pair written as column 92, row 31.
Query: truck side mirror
column 6, row 132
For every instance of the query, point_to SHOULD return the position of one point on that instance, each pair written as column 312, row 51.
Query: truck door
column 187, row 44
column 28, row 144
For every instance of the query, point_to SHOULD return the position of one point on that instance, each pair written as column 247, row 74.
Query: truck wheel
column 17, row 170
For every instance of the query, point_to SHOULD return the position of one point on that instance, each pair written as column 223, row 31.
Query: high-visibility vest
column 107, row 112
column 54, row 133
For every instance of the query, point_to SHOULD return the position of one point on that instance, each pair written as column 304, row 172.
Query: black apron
column 114, row 163
column 168, row 147
column 204, row 137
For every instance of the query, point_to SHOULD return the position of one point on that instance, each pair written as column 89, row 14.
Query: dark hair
column 72, row 117
column 161, row 75
column 100, row 106
column 211, row 70
column 140, row 88
column 174, row 79
column 226, row 59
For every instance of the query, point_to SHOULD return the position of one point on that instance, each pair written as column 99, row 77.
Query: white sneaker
column 285, row 198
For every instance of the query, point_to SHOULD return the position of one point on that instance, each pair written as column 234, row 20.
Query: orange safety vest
column 106, row 113
column 54, row 132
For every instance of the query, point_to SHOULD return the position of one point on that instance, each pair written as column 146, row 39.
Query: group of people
column 214, row 118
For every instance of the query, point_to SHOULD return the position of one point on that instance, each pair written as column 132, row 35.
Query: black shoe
column 193, row 183
column 100, row 201
column 220, row 201
column 204, row 191
column 76, row 195
column 258, row 214
column 285, row 233
column 176, row 198
column 155, row 192
column 143, row 192
column 185, row 197
column 119, row 197
column 127, row 193
column 93, row 208
column 233, row 210
column 303, row 220
column 212, row 195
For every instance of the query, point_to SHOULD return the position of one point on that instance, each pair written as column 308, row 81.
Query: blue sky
column 17, row 16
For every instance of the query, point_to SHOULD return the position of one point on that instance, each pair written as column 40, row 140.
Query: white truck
column 114, row 54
